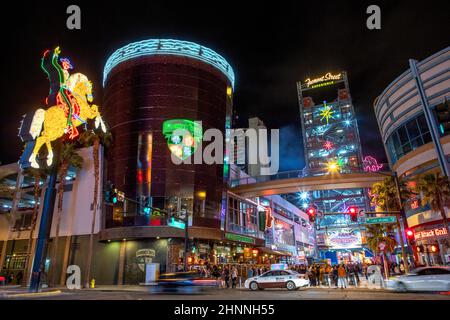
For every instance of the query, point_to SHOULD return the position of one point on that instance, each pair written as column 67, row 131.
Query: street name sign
column 375, row 220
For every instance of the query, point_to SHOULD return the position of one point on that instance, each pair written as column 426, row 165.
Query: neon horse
column 54, row 119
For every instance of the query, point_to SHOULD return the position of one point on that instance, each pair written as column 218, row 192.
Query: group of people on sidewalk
column 341, row 275
column 227, row 274
column 323, row 274
column 11, row 278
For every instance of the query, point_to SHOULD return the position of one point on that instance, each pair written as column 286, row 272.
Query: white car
column 288, row 279
column 422, row 279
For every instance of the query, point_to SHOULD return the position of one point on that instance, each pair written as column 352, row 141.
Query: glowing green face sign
column 183, row 136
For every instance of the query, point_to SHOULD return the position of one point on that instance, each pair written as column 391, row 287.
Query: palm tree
column 434, row 189
column 39, row 175
column 69, row 157
column 381, row 234
column 94, row 139
column 384, row 195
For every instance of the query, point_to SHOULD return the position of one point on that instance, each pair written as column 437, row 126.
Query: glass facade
column 243, row 218
column 140, row 96
column 408, row 137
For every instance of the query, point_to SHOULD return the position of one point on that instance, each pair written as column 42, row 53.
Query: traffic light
column 312, row 214
column 409, row 234
column 147, row 206
column 111, row 194
column 443, row 116
column 353, row 212
column 114, row 196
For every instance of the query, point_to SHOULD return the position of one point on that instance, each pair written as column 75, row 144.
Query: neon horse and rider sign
column 68, row 107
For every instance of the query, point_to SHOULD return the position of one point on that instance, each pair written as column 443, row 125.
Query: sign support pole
column 45, row 226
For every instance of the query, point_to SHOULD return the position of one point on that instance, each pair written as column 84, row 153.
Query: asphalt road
column 238, row 294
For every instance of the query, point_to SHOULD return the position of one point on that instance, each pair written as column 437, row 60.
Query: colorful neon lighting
column 183, row 136
column 328, row 145
column 168, row 47
column 326, row 77
column 326, row 112
column 54, row 122
column 371, row 164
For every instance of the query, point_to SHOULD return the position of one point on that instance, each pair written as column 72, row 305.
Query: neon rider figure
column 59, row 93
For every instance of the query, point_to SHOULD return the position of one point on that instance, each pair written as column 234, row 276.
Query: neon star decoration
column 328, row 145
column 326, row 112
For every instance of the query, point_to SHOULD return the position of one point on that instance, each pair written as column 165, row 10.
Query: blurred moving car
column 422, row 279
column 288, row 279
column 188, row 282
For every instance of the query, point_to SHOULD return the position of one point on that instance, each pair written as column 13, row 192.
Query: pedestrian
column 342, row 274
column 249, row 273
column 313, row 277
column 226, row 276
column 328, row 275
column 234, row 276
column 19, row 277
column 402, row 268
column 335, row 275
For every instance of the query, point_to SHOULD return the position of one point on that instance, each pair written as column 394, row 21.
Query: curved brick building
column 147, row 83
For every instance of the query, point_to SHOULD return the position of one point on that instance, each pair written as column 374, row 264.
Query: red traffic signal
column 312, row 214
column 353, row 211
column 409, row 234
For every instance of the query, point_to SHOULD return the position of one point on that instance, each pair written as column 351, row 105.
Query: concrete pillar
column 30, row 264
column 3, row 254
column 65, row 261
column 122, row 252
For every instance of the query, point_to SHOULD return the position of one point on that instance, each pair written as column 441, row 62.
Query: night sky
column 270, row 47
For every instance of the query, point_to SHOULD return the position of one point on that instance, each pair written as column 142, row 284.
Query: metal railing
column 303, row 173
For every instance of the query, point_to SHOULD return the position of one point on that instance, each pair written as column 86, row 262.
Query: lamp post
column 186, row 241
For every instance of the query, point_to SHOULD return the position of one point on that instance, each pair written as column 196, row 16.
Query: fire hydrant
column 92, row 283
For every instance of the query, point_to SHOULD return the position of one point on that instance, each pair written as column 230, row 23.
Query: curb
column 32, row 295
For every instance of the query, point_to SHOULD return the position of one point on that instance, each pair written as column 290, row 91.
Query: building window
column 408, row 137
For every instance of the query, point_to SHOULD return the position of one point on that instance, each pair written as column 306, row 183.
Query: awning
column 274, row 252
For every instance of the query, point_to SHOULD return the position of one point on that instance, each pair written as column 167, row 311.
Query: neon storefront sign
column 344, row 238
column 327, row 77
column 437, row 232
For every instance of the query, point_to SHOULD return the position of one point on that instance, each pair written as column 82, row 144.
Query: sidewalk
column 22, row 292
column 363, row 285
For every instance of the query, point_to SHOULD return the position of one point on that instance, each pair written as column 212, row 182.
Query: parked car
column 288, row 279
column 422, row 279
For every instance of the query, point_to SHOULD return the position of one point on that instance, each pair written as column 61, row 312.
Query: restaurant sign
column 240, row 238
column 437, row 232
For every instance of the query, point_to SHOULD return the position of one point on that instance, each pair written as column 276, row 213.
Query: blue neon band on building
column 168, row 47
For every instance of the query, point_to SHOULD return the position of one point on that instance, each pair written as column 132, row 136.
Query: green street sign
column 375, row 220
column 237, row 237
